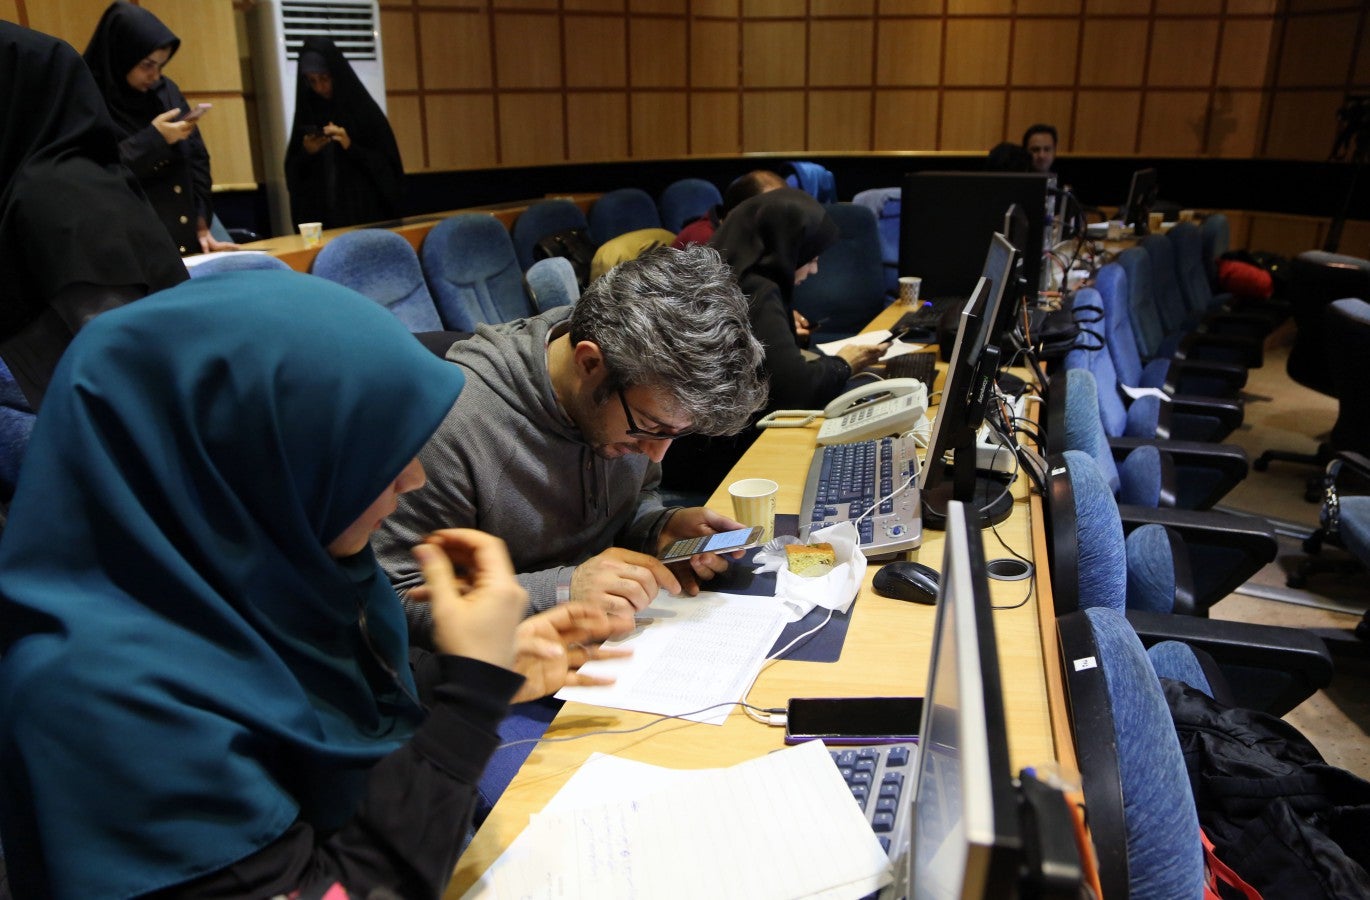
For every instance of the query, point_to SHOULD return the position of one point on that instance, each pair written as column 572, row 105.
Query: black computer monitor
column 1141, row 196
column 966, row 840
column 947, row 217
column 969, row 385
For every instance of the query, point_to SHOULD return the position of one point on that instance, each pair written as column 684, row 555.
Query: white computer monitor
column 965, row 840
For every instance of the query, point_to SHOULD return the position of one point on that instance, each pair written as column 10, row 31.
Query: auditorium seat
column 686, row 199
column 849, row 288
column 382, row 265
column 552, row 282
column 472, row 271
column 621, row 211
column 540, row 219
column 887, row 205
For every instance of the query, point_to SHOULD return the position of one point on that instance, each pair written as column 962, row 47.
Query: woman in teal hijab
column 205, row 680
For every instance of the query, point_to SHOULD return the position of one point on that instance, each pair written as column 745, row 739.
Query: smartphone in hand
column 722, row 542
column 199, row 110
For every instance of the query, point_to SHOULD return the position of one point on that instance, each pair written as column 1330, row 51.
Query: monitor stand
column 991, row 496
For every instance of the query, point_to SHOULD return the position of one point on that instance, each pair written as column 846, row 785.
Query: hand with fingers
column 477, row 602
column 622, row 581
column 697, row 521
column 554, row 644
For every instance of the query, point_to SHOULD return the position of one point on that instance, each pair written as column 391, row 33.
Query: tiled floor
column 1283, row 414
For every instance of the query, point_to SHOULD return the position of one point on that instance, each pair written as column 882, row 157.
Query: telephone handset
column 890, row 406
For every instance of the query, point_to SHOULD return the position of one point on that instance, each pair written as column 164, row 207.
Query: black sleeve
column 796, row 382
column 146, row 152
column 409, row 830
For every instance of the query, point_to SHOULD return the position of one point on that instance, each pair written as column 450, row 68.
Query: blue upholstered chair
column 1182, row 332
column 887, row 205
column 1192, row 269
column 234, row 262
column 1217, row 237
column 849, row 287
column 552, row 282
column 686, row 199
column 1144, row 477
column 621, row 211
column 380, row 264
column 1098, row 559
column 540, row 219
column 472, row 272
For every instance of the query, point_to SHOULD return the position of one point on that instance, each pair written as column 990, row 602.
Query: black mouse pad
column 824, row 645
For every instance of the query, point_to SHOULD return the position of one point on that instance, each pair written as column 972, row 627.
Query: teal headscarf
column 183, row 670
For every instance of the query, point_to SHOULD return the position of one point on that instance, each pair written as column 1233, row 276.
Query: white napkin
column 835, row 590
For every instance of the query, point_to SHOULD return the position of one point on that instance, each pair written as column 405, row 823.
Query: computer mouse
column 909, row 581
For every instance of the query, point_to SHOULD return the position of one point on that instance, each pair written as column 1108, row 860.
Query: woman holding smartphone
column 126, row 55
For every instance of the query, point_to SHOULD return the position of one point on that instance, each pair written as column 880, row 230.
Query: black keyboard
column 928, row 316
column 921, row 365
column 880, row 778
column 845, row 480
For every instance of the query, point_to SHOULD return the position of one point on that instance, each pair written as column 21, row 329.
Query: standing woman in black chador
column 342, row 166
column 77, row 236
column 126, row 54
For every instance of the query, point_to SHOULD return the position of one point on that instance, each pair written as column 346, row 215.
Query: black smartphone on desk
column 853, row 720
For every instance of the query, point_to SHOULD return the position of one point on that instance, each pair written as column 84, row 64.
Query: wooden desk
column 886, row 652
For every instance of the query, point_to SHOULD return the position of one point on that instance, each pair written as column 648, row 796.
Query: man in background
column 1040, row 142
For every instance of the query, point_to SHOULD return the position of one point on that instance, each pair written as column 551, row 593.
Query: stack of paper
column 781, row 826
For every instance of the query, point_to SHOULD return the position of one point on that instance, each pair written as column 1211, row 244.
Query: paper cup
column 1154, row 220
column 754, row 504
column 312, row 232
column 909, row 288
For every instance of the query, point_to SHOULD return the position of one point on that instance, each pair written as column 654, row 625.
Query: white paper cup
column 909, row 288
column 312, row 232
column 754, row 504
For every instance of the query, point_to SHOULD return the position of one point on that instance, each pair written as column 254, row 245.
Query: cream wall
column 475, row 84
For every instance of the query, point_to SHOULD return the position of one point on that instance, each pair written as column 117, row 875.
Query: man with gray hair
column 556, row 442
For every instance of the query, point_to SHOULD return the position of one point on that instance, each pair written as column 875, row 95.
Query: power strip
column 992, row 452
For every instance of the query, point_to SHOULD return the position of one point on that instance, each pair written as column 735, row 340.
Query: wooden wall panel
column 1044, row 52
column 530, row 129
column 1106, row 122
column 714, row 123
column 908, row 52
column 727, row 8
column 225, row 133
column 714, row 54
column 658, row 52
column 1117, row 7
column 455, row 49
column 1317, row 50
column 773, row 54
column 660, row 124
column 1051, row 8
column 527, row 51
column 1112, row 53
column 1285, row 235
column 1173, row 124
column 400, row 51
column 1234, row 123
column 208, row 58
column 1355, row 239
column 9, row 11
column 597, row 126
column 763, row 8
column 839, row 120
column 1362, row 74
column 979, row 7
column 655, row 6
column 1182, row 52
column 910, row 7
column 1189, row 7
column 71, row 20
column 1244, row 60
column 976, row 52
column 1252, row 7
column 523, row 4
column 596, row 52
column 773, row 121
column 406, row 122
column 1030, row 107
column 905, row 120
column 849, row 68
column 972, row 120
column 461, row 130
column 862, row 8
column 594, row 5
column 1303, row 124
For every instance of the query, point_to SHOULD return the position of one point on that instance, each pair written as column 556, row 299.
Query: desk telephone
column 885, row 407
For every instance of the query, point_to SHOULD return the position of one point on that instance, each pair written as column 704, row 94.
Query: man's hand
column 621, row 581
column 698, row 521
column 554, row 644
column 477, row 602
column 860, row 356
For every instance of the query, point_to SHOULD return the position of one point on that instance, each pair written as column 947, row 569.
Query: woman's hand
column 171, row 130
column 339, row 134
column 554, row 644
column 208, row 243
column 477, row 602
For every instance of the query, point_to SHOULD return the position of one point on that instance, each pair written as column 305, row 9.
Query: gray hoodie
column 507, row 460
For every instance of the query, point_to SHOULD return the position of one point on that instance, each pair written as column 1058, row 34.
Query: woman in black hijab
column 77, row 235
column 342, row 165
column 126, row 54
column 772, row 243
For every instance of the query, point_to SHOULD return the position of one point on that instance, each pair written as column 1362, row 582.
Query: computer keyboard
column 880, row 778
column 929, row 315
column 921, row 365
column 845, row 480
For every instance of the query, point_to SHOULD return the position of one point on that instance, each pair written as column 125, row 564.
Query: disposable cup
column 754, row 503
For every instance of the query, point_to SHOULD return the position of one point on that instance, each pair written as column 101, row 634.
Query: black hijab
column 124, row 37
column 765, row 239
column 70, row 214
column 370, row 187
